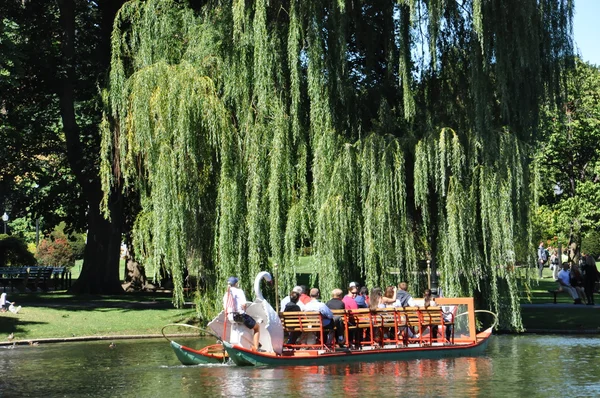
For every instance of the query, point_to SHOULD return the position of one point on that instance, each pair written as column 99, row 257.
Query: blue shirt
column 360, row 300
column 316, row 305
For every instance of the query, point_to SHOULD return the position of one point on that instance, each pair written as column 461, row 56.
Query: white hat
column 353, row 284
column 297, row 289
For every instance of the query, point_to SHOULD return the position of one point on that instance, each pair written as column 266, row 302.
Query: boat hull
column 207, row 355
column 243, row 357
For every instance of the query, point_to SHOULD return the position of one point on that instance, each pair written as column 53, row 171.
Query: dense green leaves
column 568, row 160
column 378, row 133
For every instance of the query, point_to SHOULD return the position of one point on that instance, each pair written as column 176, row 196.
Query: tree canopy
column 379, row 133
column 567, row 160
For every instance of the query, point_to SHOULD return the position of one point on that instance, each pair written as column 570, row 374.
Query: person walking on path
column 542, row 258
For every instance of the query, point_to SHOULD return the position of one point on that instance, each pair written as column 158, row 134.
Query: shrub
column 77, row 242
column 55, row 252
column 13, row 252
column 590, row 244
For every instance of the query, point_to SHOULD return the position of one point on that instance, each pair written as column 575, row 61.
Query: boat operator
column 234, row 303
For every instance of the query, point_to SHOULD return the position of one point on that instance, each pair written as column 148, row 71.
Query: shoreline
column 94, row 338
column 51, row 340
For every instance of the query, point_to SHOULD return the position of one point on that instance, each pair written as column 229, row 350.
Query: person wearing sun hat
column 234, row 303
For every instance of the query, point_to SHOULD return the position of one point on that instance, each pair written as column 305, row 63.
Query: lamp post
column 5, row 219
column 37, row 219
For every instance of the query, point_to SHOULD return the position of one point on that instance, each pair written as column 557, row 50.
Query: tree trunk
column 100, row 272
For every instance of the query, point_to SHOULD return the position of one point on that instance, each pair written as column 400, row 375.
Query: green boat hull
column 189, row 356
column 243, row 357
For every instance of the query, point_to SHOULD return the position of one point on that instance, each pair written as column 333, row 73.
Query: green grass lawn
column 61, row 315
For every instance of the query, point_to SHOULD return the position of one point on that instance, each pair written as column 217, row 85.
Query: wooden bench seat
column 296, row 323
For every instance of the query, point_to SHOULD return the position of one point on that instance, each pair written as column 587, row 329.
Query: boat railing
column 395, row 326
column 300, row 326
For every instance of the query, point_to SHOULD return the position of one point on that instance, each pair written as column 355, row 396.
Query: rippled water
column 537, row 366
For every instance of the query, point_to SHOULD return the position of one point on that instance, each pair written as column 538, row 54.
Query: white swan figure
column 271, row 329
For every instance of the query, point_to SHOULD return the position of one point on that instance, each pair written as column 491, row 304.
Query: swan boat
column 385, row 335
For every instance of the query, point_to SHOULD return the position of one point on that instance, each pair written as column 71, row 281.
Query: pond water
column 537, row 366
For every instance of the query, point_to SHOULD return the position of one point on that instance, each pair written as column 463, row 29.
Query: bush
column 55, row 252
column 13, row 252
column 77, row 242
column 590, row 243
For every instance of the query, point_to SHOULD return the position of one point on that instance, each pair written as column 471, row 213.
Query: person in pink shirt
column 348, row 299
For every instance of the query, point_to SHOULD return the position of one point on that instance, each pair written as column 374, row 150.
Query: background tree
column 568, row 160
column 58, row 55
column 377, row 133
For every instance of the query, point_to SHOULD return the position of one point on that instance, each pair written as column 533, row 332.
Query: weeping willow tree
column 378, row 133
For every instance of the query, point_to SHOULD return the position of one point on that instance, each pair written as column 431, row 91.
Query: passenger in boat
column 336, row 303
column 293, row 306
column 376, row 299
column 428, row 300
column 350, row 299
column 234, row 302
column 403, row 297
column 315, row 305
column 304, row 298
column 564, row 280
column 286, row 299
column 362, row 298
column 389, row 296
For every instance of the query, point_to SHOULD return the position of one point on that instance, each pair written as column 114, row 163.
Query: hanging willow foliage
column 374, row 133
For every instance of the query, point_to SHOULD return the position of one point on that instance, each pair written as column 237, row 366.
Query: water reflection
column 514, row 365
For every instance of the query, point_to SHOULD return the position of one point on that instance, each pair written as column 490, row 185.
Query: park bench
column 61, row 277
column 12, row 276
column 556, row 292
column 38, row 277
column 34, row 277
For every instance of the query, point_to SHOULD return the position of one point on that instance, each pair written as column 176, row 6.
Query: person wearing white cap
column 234, row 302
column 286, row 299
column 349, row 299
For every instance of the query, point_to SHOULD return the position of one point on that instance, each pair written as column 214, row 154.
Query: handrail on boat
column 162, row 331
column 486, row 311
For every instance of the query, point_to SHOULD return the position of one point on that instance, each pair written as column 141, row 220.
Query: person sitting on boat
column 362, row 298
column 286, row 299
column 234, row 302
column 403, row 297
column 336, row 303
column 293, row 306
column 375, row 299
column 564, row 280
column 351, row 303
column 315, row 305
column 304, row 298
column 350, row 299
column 389, row 296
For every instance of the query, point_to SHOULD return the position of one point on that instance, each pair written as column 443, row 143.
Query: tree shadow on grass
column 14, row 325
column 93, row 303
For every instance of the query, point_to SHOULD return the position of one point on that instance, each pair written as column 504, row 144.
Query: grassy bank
column 62, row 315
